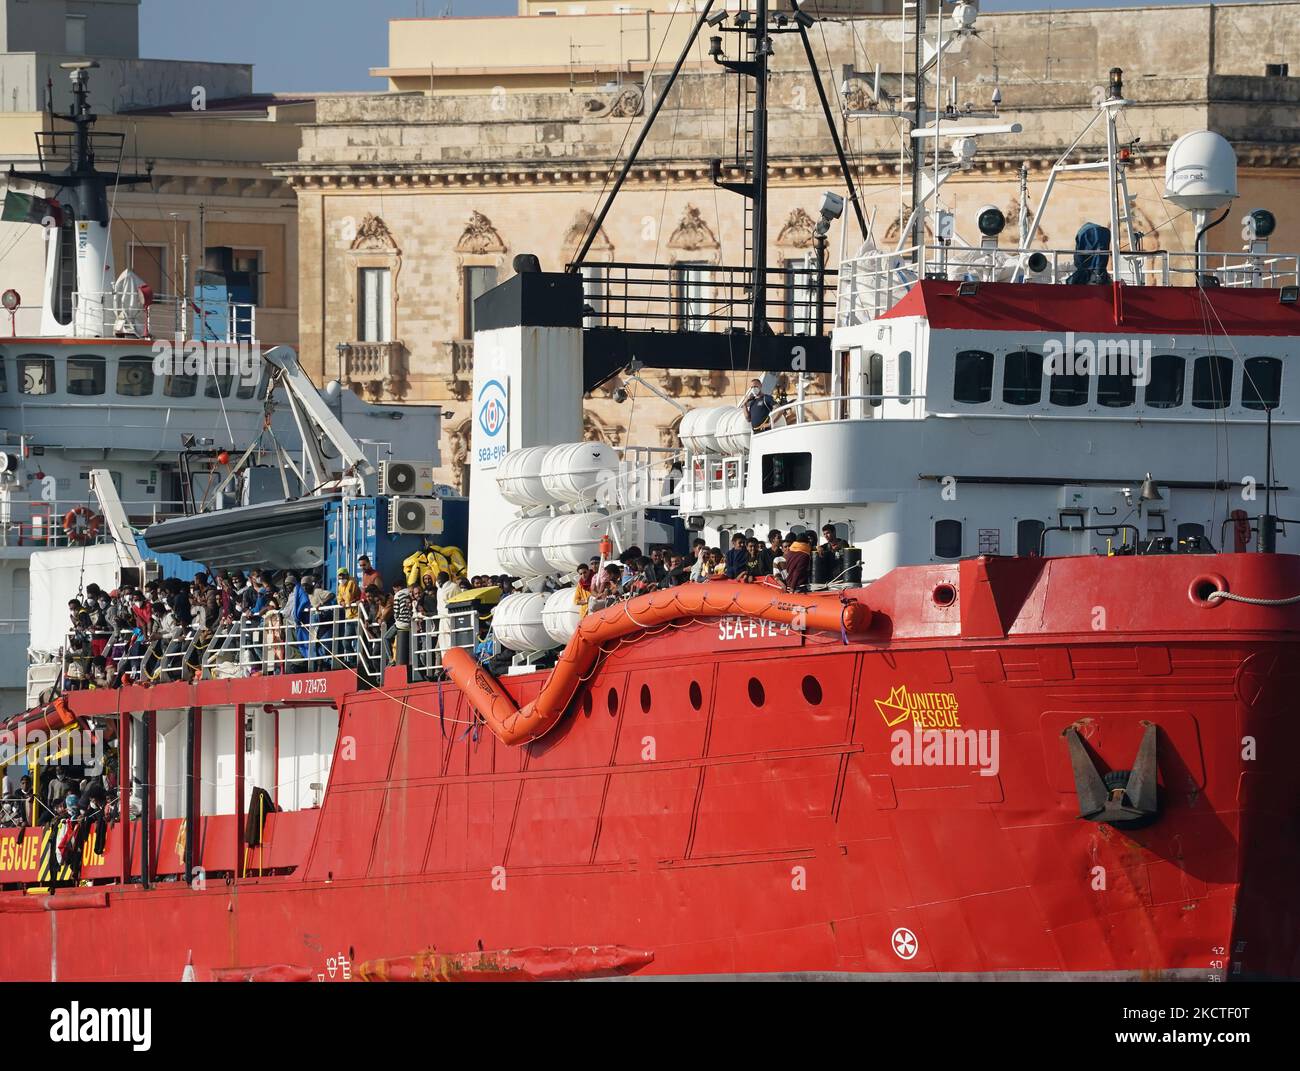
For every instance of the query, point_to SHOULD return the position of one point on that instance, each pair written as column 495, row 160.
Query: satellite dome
column 1201, row 171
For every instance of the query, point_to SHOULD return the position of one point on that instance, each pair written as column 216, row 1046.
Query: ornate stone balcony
column 378, row 367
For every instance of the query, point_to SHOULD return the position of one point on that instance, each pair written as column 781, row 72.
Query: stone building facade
column 411, row 203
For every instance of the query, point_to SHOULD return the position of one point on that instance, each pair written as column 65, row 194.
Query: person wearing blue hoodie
column 737, row 567
column 300, row 616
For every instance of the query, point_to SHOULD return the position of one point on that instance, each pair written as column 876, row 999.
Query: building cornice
column 359, row 177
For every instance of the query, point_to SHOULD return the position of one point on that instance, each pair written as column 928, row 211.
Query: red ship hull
column 726, row 799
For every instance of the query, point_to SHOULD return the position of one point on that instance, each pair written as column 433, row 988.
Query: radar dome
column 1201, row 171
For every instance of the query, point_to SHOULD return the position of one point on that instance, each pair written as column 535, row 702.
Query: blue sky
column 325, row 45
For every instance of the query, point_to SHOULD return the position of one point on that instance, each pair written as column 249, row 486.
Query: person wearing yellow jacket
column 348, row 593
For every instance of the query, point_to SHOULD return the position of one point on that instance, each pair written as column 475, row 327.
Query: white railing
column 713, row 482
column 329, row 638
column 107, row 315
column 34, row 523
column 873, row 283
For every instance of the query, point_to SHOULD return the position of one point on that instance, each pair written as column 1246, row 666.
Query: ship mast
column 755, row 29
column 77, row 300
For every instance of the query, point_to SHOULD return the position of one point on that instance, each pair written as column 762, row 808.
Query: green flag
column 22, row 207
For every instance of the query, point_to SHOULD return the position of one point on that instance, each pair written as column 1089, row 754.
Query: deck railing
column 266, row 644
column 871, row 284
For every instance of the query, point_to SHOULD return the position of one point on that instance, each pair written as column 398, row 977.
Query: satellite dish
column 1201, row 172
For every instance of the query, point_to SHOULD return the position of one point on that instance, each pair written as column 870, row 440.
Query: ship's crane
column 315, row 423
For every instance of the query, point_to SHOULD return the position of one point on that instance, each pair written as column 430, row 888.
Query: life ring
column 81, row 525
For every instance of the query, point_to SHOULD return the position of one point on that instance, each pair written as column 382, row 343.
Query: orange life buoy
column 81, row 524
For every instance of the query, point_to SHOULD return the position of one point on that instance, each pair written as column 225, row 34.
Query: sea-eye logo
column 492, row 407
column 238, row 360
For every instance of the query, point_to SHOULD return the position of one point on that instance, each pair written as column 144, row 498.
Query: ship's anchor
column 1125, row 799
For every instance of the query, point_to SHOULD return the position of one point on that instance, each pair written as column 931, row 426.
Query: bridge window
column 1069, row 388
column 875, row 379
column 86, row 376
column 972, row 380
column 253, row 386
column 787, row 472
column 1115, row 390
column 180, row 386
column 36, row 375
column 4, row 380
column 135, row 377
column 1028, row 537
column 1165, row 388
column 947, row 539
column 1211, row 382
column 905, row 376
column 1261, row 383
column 1022, row 378
column 219, row 385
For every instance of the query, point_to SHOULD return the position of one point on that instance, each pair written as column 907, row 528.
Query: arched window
column 1212, row 382
column 1261, row 383
column 1165, row 387
column 1022, row 378
column 972, row 377
column 1069, row 387
column 947, row 539
column 85, row 376
column 1029, row 534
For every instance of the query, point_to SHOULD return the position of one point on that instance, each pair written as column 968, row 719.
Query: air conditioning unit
column 415, row 516
column 406, row 478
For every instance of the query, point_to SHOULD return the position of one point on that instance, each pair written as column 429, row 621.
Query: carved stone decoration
column 601, row 246
column 458, row 360
column 668, row 433
column 479, row 237
column 623, row 104
column 373, row 236
column 458, row 444
column 717, row 383
column 798, row 230
column 692, row 233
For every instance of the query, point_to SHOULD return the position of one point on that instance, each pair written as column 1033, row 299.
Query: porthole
column 944, row 595
column 756, row 694
column 697, row 696
column 586, row 704
column 645, row 699
column 812, row 690
column 611, row 702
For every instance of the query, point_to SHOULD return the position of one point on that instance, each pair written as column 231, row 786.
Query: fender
column 826, row 612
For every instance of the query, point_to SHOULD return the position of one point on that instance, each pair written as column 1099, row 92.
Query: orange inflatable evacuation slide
column 827, row 612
